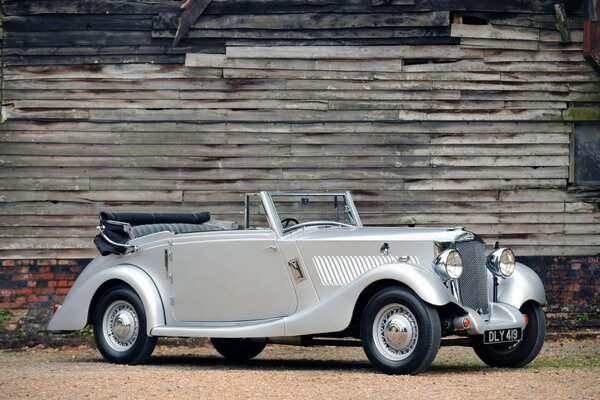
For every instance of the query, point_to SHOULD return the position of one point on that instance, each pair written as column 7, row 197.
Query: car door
column 230, row 276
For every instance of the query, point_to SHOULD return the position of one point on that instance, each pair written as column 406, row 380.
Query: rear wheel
column 238, row 349
column 400, row 333
column 519, row 354
column 120, row 327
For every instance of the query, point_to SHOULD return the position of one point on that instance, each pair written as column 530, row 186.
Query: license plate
column 502, row 335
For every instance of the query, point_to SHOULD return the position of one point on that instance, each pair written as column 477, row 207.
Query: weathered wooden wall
column 431, row 112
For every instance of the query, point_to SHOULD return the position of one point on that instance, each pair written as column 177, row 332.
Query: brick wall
column 29, row 288
column 572, row 289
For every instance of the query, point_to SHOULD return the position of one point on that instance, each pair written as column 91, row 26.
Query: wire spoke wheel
column 121, row 325
column 119, row 321
column 400, row 333
column 396, row 332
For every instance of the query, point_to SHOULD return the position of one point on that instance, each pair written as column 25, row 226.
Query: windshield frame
column 273, row 215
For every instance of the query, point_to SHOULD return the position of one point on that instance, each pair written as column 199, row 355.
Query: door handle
column 271, row 247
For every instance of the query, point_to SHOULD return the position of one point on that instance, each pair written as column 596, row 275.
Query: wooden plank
column 438, row 76
column 347, row 93
column 414, row 105
column 500, row 138
column 309, row 21
column 77, row 22
column 27, row 149
column 480, row 66
column 232, row 86
column 333, row 37
column 45, row 184
column 327, row 84
column 550, row 77
column 220, row 61
column 172, row 104
column 246, row 185
column 501, row 161
column 351, row 52
column 427, row 150
column 233, row 115
column 34, row 94
column 487, row 184
column 174, row 196
column 493, row 115
column 220, row 138
column 17, row 7
column 492, row 56
column 394, row 128
column 494, row 32
column 229, row 73
column 554, row 36
column 529, row 105
column 522, row 86
column 431, row 173
column 94, row 59
column 468, row 43
column 46, row 114
column 114, row 72
column 77, row 38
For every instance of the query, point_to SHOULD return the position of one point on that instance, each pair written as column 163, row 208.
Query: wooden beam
column 562, row 23
column 193, row 10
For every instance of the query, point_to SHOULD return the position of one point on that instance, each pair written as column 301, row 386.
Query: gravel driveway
column 566, row 369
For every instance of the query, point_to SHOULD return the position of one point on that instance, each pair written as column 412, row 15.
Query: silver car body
column 271, row 282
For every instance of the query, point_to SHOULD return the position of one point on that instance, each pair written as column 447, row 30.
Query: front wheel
column 519, row 354
column 400, row 333
column 238, row 349
column 120, row 327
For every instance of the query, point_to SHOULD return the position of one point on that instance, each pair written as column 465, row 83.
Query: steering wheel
column 286, row 222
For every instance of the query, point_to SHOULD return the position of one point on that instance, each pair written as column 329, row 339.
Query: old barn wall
column 431, row 112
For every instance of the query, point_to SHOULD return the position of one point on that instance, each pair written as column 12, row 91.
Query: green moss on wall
column 581, row 114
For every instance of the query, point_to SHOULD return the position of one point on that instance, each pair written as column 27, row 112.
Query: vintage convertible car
column 303, row 270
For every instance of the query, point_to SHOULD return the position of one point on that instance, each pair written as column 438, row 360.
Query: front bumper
column 501, row 316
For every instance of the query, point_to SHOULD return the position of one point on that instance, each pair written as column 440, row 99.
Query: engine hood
column 399, row 234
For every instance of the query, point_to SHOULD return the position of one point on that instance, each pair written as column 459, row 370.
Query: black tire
column 400, row 333
column 119, row 322
column 238, row 349
column 516, row 355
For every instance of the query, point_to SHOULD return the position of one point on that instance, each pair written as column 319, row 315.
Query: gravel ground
column 566, row 369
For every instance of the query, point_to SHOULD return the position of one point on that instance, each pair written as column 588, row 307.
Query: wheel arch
column 78, row 307
column 367, row 294
column 137, row 280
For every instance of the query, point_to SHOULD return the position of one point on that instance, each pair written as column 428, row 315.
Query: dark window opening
column 586, row 154
column 468, row 20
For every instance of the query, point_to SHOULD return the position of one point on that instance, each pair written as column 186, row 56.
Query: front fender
column 73, row 314
column 334, row 313
column 523, row 285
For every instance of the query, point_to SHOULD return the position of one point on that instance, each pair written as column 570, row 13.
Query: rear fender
column 74, row 312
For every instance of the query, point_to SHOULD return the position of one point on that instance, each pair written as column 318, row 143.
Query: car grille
column 473, row 282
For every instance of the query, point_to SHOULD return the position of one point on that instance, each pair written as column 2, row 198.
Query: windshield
column 302, row 208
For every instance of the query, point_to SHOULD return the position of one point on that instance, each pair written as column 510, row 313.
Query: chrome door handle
column 272, row 247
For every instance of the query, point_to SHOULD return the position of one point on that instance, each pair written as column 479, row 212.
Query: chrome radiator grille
column 473, row 282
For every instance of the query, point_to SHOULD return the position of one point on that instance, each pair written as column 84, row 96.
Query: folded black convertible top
column 115, row 228
column 155, row 218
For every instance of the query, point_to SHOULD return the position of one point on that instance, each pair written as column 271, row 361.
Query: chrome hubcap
column 395, row 331
column 120, row 325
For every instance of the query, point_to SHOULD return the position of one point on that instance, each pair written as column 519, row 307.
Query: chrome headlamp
column 501, row 262
column 449, row 264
